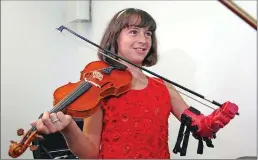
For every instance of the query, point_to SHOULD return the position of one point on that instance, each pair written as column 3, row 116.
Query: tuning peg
column 20, row 132
column 33, row 147
column 12, row 141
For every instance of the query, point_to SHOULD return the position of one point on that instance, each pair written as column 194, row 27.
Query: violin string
column 32, row 129
column 60, row 106
column 72, row 94
column 56, row 109
column 78, row 89
column 124, row 63
column 66, row 98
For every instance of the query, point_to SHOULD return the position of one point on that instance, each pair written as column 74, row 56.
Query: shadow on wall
column 178, row 66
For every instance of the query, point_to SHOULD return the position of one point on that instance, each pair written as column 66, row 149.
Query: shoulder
column 160, row 82
column 165, row 85
column 156, row 79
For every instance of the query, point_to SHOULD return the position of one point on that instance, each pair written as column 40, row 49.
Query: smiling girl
column 135, row 124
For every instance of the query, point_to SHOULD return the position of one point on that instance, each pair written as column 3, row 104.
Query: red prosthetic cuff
column 207, row 126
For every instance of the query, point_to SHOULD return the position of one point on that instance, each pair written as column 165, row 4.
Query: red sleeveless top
column 135, row 124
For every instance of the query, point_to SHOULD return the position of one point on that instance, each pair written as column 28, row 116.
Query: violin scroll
column 15, row 150
column 18, row 148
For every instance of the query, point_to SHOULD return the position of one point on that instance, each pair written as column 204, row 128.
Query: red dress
column 135, row 125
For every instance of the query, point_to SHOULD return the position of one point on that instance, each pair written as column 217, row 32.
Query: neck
column 136, row 72
column 139, row 80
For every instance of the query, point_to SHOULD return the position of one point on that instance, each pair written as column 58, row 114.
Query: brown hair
column 126, row 18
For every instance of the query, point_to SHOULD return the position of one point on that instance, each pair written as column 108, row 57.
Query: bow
column 114, row 62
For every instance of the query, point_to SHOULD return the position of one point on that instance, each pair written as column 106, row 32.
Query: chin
column 138, row 62
column 137, row 59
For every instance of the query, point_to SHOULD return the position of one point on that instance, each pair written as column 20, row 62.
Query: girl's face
column 134, row 44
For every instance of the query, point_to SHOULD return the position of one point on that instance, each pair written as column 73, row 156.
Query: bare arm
column 85, row 144
column 177, row 102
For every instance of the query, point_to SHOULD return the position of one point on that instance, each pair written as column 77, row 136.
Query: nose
column 142, row 37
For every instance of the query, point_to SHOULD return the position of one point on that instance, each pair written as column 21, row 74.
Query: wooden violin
column 80, row 100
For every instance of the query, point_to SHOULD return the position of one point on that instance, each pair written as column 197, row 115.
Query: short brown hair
column 125, row 18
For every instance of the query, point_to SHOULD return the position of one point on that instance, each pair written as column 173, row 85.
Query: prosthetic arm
column 203, row 128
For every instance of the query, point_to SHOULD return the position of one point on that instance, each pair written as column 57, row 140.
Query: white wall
column 202, row 46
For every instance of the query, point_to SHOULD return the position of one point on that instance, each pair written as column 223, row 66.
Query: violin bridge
column 97, row 75
column 95, row 84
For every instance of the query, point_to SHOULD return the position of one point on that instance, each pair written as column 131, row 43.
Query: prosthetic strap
column 186, row 122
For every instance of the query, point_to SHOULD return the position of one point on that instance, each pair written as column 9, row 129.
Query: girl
column 135, row 124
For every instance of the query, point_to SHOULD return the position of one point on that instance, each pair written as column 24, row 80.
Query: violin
column 98, row 80
column 81, row 99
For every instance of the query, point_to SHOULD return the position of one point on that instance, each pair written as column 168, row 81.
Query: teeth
column 140, row 49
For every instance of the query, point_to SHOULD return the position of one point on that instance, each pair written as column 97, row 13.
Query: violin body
column 98, row 80
column 104, row 84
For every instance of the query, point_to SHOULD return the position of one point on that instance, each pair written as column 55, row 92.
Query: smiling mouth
column 140, row 49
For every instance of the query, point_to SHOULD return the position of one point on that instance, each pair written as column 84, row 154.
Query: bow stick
column 61, row 28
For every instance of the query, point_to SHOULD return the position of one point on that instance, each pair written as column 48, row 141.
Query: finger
column 41, row 127
column 64, row 119
column 33, row 123
column 61, row 116
column 48, row 122
column 56, row 121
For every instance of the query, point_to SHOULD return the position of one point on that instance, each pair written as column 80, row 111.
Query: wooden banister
column 240, row 12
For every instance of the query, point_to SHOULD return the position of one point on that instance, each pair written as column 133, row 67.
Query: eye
column 149, row 34
column 133, row 31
